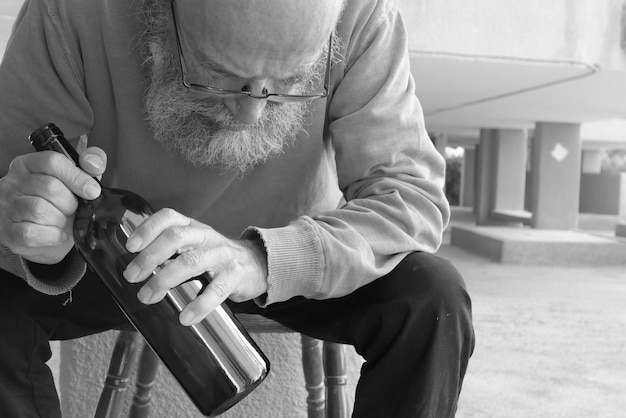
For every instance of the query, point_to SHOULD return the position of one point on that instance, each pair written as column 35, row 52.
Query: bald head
column 269, row 32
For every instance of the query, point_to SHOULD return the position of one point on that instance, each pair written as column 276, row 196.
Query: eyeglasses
column 245, row 90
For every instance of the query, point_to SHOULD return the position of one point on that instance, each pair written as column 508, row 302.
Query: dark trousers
column 413, row 327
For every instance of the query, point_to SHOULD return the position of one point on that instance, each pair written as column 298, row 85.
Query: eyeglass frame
column 273, row 97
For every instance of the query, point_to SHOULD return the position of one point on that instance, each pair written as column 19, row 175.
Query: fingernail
column 132, row 272
column 145, row 294
column 95, row 161
column 133, row 244
column 187, row 318
column 92, row 191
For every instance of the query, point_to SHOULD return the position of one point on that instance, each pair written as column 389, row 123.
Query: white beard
column 205, row 132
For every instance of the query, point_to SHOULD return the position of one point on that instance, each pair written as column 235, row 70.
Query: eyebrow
column 223, row 72
column 218, row 69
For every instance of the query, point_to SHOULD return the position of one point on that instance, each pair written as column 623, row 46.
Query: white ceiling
column 474, row 92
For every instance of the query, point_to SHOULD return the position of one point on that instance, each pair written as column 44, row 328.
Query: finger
column 36, row 210
column 213, row 295
column 177, row 271
column 93, row 161
column 155, row 225
column 81, row 145
column 52, row 190
column 57, row 165
column 31, row 235
column 174, row 240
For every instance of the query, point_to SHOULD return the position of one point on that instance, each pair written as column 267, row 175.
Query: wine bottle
column 215, row 361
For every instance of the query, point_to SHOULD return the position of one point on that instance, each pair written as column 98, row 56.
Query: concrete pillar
column 555, row 166
column 620, row 228
column 468, row 178
column 621, row 211
column 485, row 176
column 501, row 172
column 592, row 161
column 510, row 175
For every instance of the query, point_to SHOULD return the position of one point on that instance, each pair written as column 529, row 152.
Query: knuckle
column 65, row 170
column 174, row 233
column 75, row 177
column 150, row 258
column 145, row 259
column 190, row 260
column 51, row 186
column 38, row 209
column 168, row 212
column 219, row 288
column 17, row 162
column 25, row 234
column 54, row 161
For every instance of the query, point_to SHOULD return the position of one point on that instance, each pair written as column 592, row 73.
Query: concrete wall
column 84, row 363
column 580, row 30
column 603, row 193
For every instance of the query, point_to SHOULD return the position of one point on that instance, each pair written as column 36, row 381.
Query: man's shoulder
column 88, row 20
column 360, row 14
column 80, row 5
column 59, row 7
column 88, row 11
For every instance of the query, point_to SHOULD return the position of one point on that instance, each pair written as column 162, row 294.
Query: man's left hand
column 237, row 268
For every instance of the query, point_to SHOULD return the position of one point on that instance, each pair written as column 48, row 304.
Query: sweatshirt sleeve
column 40, row 82
column 389, row 172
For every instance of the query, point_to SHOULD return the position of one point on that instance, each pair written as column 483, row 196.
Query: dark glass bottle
column 215, row 361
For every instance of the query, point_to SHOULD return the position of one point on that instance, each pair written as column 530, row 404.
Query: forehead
column 250, row 38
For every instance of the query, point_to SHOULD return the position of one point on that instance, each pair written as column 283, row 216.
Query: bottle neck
column 50, row 138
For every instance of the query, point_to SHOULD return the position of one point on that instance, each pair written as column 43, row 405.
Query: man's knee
column 429, row 278
column 434, row 297
column 422, row 304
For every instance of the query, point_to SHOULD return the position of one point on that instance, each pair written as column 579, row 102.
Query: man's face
column 227, row 133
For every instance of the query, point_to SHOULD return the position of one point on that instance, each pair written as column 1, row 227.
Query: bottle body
column 216, row 361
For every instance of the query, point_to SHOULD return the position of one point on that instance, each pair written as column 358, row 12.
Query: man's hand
column 237, row 268
column 38, row 202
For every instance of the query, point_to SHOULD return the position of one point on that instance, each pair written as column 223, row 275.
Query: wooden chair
column 323, row 363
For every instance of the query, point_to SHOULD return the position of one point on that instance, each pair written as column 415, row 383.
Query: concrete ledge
column 620, row 229
column 509, row 215
column 539, row 247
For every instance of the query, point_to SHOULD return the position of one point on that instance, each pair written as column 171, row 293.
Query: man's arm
column 390, row 173
column 39, row 83
column 5, row 262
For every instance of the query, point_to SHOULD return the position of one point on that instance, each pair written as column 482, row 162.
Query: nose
column 247, row 109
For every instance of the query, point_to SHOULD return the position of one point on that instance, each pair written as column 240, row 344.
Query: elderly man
column 286, row 142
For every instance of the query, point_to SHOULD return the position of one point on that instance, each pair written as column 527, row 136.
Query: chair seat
column 261, row 325
column 323, row 363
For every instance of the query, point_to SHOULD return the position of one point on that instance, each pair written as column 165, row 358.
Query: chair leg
column 146, row 374
column 115, row 384
column 336, row 380
column 312, row 366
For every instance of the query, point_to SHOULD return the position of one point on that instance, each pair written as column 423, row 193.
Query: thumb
column 93, row 161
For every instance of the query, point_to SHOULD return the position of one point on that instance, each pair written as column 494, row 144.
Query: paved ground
column 551, row 342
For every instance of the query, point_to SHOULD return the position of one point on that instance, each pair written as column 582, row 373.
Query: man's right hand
column 38, row 202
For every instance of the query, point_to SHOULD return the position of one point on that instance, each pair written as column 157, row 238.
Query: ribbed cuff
column 295, row 261
column 74, row 271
